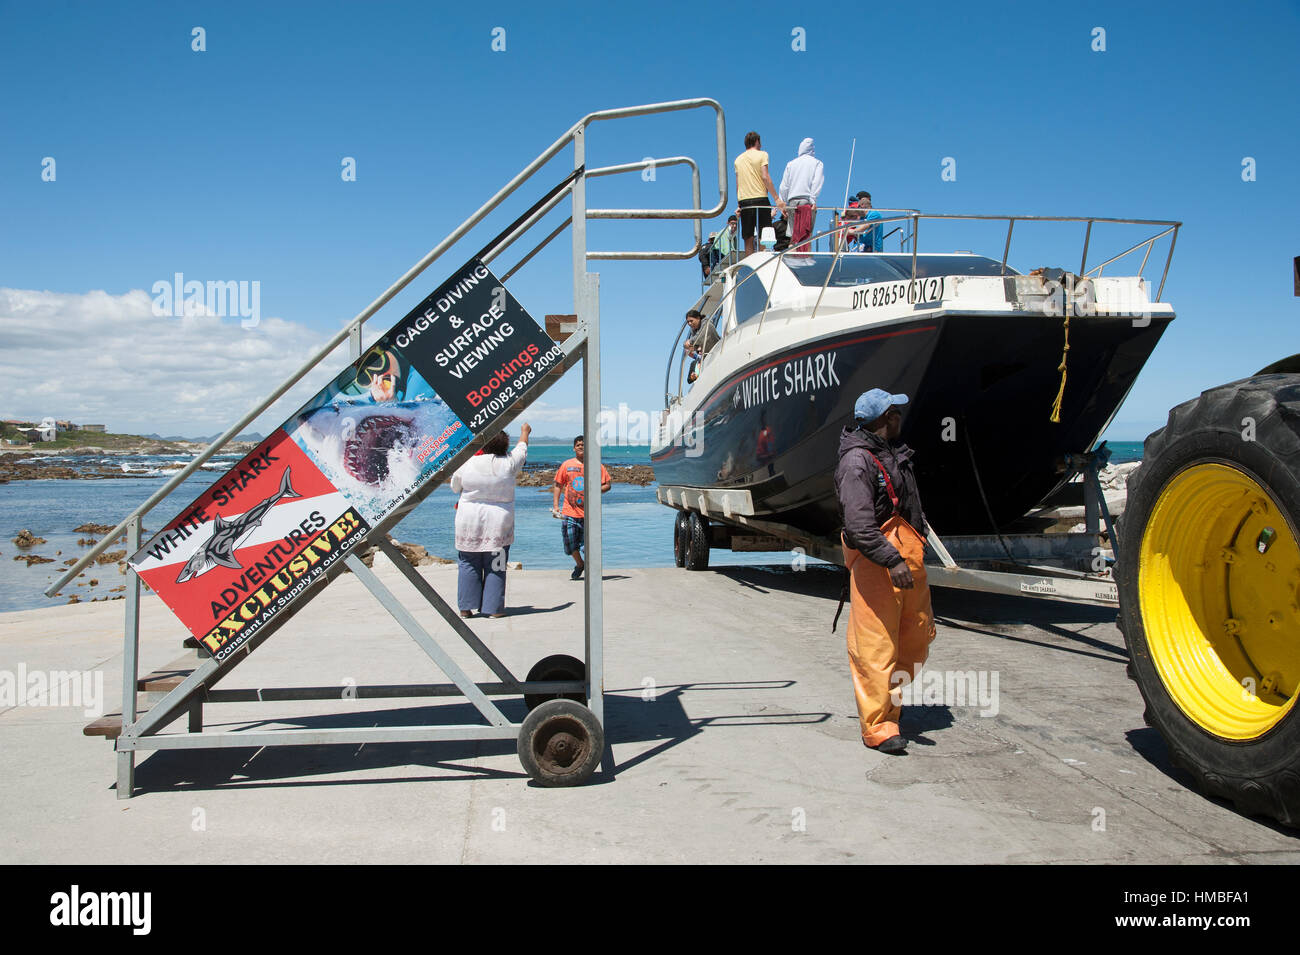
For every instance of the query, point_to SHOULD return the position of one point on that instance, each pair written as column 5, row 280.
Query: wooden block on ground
column 168, row 677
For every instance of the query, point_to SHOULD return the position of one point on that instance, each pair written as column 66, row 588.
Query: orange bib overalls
column 889, row 629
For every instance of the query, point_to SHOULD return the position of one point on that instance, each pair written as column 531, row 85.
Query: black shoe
column 894, row 746
column 577, row 573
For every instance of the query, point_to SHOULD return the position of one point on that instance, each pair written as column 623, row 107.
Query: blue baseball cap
column 872, row 404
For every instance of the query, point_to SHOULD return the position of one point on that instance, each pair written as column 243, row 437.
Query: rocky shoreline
column 638, row 474
column 35, row 466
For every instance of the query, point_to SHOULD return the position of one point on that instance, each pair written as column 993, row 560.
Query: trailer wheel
column 697, row 542
column 561, row 743
column 681, row 530
column 558, row 666
column 1209, row 586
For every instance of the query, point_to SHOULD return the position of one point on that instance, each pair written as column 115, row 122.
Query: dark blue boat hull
column 982, row 389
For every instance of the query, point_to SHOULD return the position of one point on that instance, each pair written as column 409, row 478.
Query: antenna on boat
column 848, row 182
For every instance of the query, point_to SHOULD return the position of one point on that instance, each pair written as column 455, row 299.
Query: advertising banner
column 252, row 542
column 314, row 489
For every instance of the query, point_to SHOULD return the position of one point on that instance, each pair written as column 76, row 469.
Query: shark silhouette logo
column 227, row 534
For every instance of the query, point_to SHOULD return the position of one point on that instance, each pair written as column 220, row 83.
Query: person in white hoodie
column 485, row 523
column 800, row 187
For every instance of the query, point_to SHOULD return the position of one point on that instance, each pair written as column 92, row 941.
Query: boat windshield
column 866, row 269
column 928, row 265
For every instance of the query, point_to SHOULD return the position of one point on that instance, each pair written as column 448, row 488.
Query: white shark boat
column 980, row 348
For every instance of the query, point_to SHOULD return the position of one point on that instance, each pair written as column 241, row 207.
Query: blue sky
column 225, row 165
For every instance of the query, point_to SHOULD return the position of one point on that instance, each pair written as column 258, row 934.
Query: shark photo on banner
column 378, row 431
column 249, row 544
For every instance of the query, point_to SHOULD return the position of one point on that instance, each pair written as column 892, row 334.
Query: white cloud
column 109, row 359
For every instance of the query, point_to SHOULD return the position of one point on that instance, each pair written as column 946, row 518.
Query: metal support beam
column 426, row 643
column 453, row 619
column 130, row 662
column 593, row 531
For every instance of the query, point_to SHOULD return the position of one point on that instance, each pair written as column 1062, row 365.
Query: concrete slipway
column 748, row 752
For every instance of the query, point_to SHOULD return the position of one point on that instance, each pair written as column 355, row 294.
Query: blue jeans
column 481, row 582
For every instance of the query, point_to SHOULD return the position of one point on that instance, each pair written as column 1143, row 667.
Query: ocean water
column 638, row 529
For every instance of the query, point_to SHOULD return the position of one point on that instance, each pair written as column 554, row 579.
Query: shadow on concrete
column 1151, row 746
column 631, row 716
column 955, row 608
column 919, row 720
column 1112, row 654
column 825, row 580
column 815, row 580
column 524, row 610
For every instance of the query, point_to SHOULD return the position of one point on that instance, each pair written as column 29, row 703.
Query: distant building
column 93, row 427
column 38, row 433
column 66, row 426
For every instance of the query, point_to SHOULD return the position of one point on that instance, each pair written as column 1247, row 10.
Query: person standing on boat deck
column 723, row 246
column 571, row 480
column 485, row 523
column 753, row 187
column 706, row 255
column 891, row 624
column 800, row 186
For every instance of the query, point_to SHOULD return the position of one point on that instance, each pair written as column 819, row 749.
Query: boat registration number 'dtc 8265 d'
column 913, row 292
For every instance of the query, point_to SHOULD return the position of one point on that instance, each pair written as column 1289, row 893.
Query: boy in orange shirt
column 570, row 479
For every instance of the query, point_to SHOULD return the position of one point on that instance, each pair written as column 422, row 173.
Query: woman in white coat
column 485, row 523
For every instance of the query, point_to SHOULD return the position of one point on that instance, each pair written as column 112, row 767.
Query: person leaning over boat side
column 753, row 187
column 848, row 234
column 868, row 236
column 485, row 523
column 891, row 624
column 570, row 479
column 800, row 185
column 703, row 337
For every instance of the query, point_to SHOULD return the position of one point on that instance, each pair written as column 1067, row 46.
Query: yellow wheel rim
column 1218, row 573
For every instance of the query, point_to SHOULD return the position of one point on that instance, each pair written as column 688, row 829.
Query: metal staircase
column 185, row 688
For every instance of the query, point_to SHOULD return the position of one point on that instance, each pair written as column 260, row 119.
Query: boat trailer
column 1076, row 567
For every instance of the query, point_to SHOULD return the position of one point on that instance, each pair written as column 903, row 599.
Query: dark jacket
column 864, row 498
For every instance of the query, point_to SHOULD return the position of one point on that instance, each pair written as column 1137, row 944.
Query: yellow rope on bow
column 1060, row 394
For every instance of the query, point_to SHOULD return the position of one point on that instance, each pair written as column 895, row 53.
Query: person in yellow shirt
column 753, row 189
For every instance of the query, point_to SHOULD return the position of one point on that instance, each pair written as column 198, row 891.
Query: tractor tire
column 697, row 542
column 1209, row 589
column 681, row 532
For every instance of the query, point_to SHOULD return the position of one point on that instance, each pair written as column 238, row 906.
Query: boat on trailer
column 1001, row 410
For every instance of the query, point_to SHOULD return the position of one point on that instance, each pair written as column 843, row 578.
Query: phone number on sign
column 509, row 390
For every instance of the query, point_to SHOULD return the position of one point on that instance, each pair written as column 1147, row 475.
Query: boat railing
column 913, row 218
column 718, row 313
column 840, row 216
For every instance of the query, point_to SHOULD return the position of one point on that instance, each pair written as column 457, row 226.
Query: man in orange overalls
column 890, row 621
